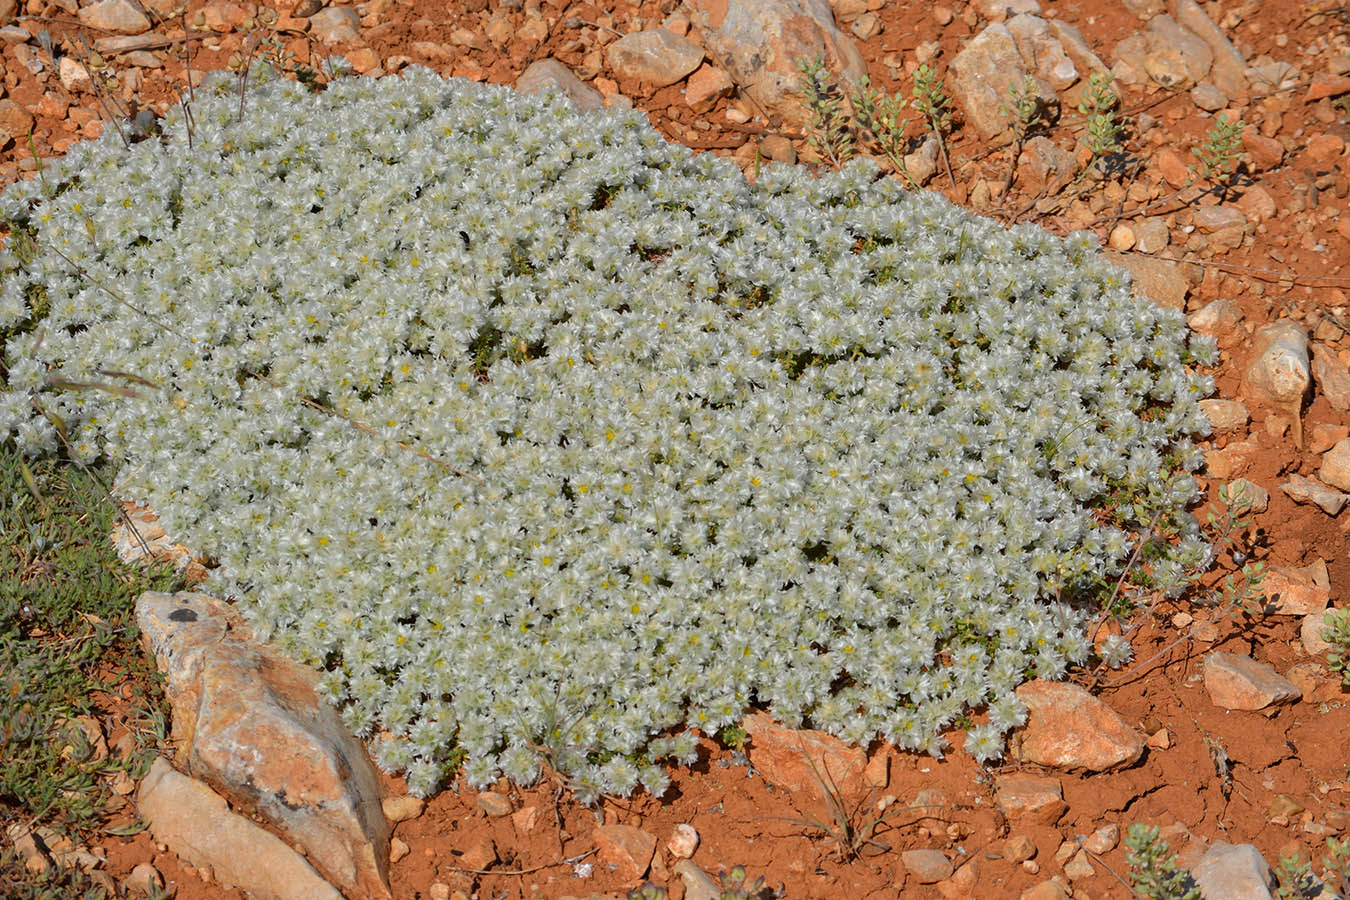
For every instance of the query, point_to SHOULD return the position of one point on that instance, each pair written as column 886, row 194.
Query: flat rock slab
column 196, row 824
column 785, row 756
column 1068, row 728
column 1240, row 682
column 251, row 726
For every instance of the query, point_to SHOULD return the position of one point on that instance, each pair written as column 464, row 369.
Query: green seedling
column 830, row 135
column 1154, row 872
column 932, row 102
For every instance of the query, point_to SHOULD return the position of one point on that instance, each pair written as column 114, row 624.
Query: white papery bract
column 683, row 445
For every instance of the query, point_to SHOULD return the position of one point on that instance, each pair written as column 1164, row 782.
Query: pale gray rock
column 552, row 75
column 1221, row 320
column 758, row 43
column 198, row 826
column 1041, row 51
column 1226, row 415
column 1128, row 60
column 1045, row 166
column 1226, row 226
column 1077, row 48
column 1144, row 9
column 927, row 866
column 1029, row 798
column 1310, row 490
column 655, row 56
column 982, row 76
column 115, row 16
column 1151, row 235
column 1228, row 68
column 250, row 724
column 1177, row 58
column 998, row 10
column 1208, row 97
column 1257, row 496
column 335, row 25
column 1310, row 633
column 698, row 885
column 1234, row 872
column 1280, row 372
column 922, row 164
column 1239, row 682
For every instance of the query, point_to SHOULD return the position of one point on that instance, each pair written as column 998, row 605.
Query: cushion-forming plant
column 549, row 441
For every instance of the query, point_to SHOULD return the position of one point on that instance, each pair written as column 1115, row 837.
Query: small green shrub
column 1153, row 867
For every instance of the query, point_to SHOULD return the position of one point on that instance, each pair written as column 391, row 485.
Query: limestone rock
column 1228, row 67
column 73, row 75
column 197, row 825
column 1028, row 798
column 550, row 74
column 1044, row 165
column 401, row 809
column 1335, row 468
column 1208, row 97
column 1225, row 225
column 1257, row 204
column 1068, row 728
column 138, row 539
column 1048, row 890
column 998, row 10
column 683, row 841
column 15, row 121
column 698, row 885
column 1041, row 51
column 1077, row 49
column 780, row 754
column 1310, row 490
column 706, row 86
column 758, row 43
column 1153, row 278
column 1290, row 591
column 250, row 724
column 1265, row 152
column 1234, row 872
column 1310, row 633
column 1226, row 415
column 1240, row 682
column 983, row 74
column 1177, row 57
column 627, row 848
column 655, row 56
column 1219, row 319
column 1333, row 379
column 1258, row 496
column 335, row 25
column 927, row 866
column 116, row 16
column 1280, row 374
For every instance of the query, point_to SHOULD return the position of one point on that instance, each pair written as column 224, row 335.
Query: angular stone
column 401, row 809
column 1310, row 633
column 1044, row 165
column 655, row 56
column 335, row 25
column 1032, row 799
column 1153, row 278
column 1310, row 490
column 1226, row 225
column 1290, row 591
column 1078, row 50
column 251, row 725
column 627, row 848
column 1152, row 235
column 1323, row 436
column 550, row 74
column 1332, row 377
column 999, row 10
column 1232, row 460
column 74, row 76
column 116, row 16
column 1177, row 57
column 1257, row 496
column 1257, row 204
column 706, row 86
column 781, row 755
column 1234, row 872
column 1048, row 890
column 15, row 122
column 683, row 841
column 758, row 43
column 1266, row 152
column 1221, row 320
column 1041, row 51
column 1208, row 97
column 1228, row 67
column 495, row 805
column 197, row 825
column 1280, row 373
column 698, row 885
column 1128, row 60
column 1240, row 682
column 1335, row 468
column 983, row 74
column 927, row 866
column 1226, row 415
column 1068, row 728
